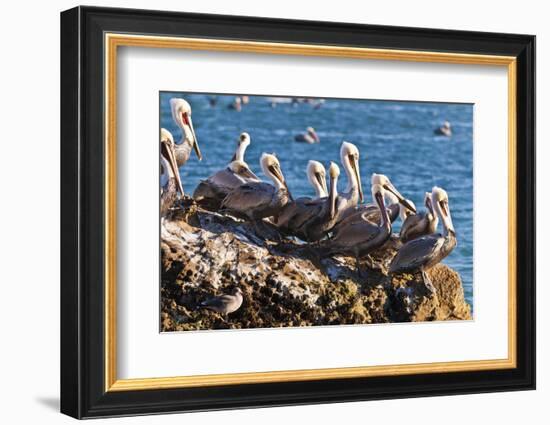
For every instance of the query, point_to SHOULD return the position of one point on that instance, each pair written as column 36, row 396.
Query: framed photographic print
column 261, row 212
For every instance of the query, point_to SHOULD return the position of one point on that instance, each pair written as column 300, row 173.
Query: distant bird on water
column 257, row 200
column 423, row 253
column 444, row 129
column 236, row 105
column 181, row 113
column 214, row 189
column 420, row 224
column 170, row 178
column 225, row 304
column 310, row 136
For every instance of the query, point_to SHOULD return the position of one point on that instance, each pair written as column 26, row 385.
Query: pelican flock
column 334, row 222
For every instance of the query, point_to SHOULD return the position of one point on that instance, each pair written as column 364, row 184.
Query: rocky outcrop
column 284, row 282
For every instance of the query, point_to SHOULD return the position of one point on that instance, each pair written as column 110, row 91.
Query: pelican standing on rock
column 349, row 156
column 257, row 200
column 225, row 304
column 396, row 203
column 312, row 219
column 427, row 251
column 420, row 224
column 310, row 136
column 170, row 178
column 362, row 237
column 215, row 188
column 181, row 113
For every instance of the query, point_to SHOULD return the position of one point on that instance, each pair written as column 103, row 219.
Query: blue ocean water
column 394, row 138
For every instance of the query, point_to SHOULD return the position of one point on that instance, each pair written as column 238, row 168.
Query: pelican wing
column 226, row 179
column 248, row 196
column 296, row 214
column 416, row 253
column 413, row 224
column 355, row 233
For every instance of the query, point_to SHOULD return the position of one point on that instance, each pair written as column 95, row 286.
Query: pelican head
column 349, row 155
column 272, row 169
column 440, row 201
column 311, row 131
column 447, row 125
column 181, row 113
column 168, row 157
column 244, row 139
column 242, row 144
column 334, row 170
column 384, row 181
column 317, row 177
column 240, row 168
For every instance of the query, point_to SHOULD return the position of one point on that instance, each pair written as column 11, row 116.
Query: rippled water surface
column 394, row 138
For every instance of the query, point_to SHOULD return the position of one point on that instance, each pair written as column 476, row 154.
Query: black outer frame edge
column 82, row 366
column 70, row 139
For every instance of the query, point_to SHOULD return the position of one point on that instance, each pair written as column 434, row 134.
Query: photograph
column 299, row 211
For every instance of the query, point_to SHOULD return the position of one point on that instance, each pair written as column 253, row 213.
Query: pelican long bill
column 405, row 202
column 353, row 163
column 195, row 142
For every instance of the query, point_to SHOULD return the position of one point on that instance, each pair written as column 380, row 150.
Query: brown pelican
column 170, row 179
column 362, row 237
column 216, row 187
column 311, row 219
column 181, row 113
column 257, row 200
column 444, row 130
column 225, row 304
column 310, row 136
column 371, row 211
column 425, row 252
column 349, row 156
column 419, row 224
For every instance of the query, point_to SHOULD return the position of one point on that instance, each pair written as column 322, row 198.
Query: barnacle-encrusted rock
column 286, row 283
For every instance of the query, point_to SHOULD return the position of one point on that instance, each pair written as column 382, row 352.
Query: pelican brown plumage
column 257, row 200
column 181, row 113
column 419, row 224
column 214, row 189
column 362, row 237
column 311, row 219
column 423, row 253
column 170, row 178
